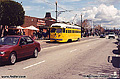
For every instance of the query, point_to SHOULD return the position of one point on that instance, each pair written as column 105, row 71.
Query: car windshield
column 9, row 40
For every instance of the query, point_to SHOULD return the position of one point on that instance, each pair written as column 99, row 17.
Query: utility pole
column 92, row 27
column 81, row 26
column 56, row 10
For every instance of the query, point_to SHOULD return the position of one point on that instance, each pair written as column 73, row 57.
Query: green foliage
column 11, row 13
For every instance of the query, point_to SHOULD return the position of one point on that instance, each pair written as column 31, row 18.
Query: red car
column 15, row 47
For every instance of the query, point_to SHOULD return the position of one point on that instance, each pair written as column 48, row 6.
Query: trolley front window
column 53, row 30
column 59, row 30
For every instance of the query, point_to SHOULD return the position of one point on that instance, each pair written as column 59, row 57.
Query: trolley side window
column 66, row 31
column 69, row 31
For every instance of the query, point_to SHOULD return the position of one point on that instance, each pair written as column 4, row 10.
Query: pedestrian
column 39, row 35
column 23, row 32
column 45, row 35
column 34, row 35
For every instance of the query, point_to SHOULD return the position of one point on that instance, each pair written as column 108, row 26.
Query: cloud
column 38, row 1
column 70, row 0
column 27, row 8
column 109, row 1
column 108, row 15
column 53, row 1
column 103, row 14
column 33, row 10
column 106, row 2
column 106, row 12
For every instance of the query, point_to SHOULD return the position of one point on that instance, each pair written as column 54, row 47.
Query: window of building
column 32, row 19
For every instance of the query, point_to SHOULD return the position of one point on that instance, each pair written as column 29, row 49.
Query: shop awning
column 32, row 28
column 19, row 27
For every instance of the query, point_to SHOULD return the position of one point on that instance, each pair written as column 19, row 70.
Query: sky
column 102, row 12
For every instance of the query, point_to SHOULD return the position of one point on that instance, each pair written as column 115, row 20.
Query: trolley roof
column 62, row 25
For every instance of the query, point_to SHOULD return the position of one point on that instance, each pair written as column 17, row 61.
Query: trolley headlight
column 2, row 53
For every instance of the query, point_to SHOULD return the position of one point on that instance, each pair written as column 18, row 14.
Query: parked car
column 118, row 37
column 15, row 47
column 111, row 35
column 102, row 35
column 118, row 46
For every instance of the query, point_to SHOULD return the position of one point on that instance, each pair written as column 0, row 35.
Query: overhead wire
column 53, row 4
column 71, row 11
column 57, row 6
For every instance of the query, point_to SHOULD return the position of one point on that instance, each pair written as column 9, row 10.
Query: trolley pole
column 56, row 10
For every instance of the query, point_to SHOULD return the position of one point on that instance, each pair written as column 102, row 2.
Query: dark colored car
column 102, row 36
column 119, row 35
column 15, row 47
column 118, row 46
column 118, row 42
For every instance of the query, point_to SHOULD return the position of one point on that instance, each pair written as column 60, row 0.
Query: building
column 43, row 24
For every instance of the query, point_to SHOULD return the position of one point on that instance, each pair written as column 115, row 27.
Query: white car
column 111, row 35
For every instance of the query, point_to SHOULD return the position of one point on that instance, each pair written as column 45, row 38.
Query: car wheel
column 35, row 54
column 12, row 58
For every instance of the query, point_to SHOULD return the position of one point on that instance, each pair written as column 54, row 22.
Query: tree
column 11, row 14
column 4, row 0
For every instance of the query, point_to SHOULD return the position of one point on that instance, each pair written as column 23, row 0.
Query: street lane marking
column 73, row 50
column 34, row 64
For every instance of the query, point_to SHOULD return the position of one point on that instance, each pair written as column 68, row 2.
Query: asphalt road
column 85, row 59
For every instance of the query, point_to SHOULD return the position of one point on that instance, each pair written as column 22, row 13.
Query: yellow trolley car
column 60, row 32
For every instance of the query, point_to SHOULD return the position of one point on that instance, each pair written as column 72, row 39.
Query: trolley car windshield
column 57, row 30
